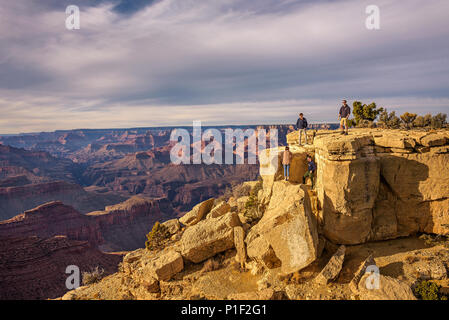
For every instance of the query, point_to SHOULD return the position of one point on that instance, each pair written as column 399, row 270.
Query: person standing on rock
column 286, row 159
column 310, row 172
column 343, row 116
column 301, row 126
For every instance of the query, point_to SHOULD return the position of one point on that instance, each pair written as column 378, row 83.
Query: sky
column 141, row 63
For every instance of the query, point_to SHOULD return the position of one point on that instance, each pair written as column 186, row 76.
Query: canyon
column 380, row 202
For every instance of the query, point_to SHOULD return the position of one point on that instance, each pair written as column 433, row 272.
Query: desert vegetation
column 365, row 116
column 157, row 236
column 93, row 276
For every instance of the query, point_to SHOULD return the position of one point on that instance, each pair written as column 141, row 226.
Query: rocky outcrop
column 209, row 237
column 377, row 185
column 287, row 231
column 197, row 213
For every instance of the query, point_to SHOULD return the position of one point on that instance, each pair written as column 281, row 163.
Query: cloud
column 167, row 62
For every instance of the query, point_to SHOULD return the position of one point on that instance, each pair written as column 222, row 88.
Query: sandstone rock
column 261, row 251
column 426, row 268
column 369, row 261
column 173, row 226
column 241, row 202
column 367, row 193
column 239, row 243
column 393, row 140
column 288, row 227
column 151, row 285
column 209, row 237
column 389, row 289
column 167, row 265
column 293, row 292
column 433, row 139
column 333, row 267
column 219, row 210
column 197, row 213
column 266, row 294
column 133, row 256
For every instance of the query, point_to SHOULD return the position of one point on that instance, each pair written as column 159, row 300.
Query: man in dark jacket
column 310, row 172
column 343, row 116
column 301, row 126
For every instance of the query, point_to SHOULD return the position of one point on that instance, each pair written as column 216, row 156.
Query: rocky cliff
column 283, row 240
column 38, row 245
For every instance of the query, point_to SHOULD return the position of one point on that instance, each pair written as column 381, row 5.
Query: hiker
column 311, row 170
column 343, row 116
column 286, row 159
column 301, row 125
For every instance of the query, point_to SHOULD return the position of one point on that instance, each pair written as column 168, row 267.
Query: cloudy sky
column 169, row 62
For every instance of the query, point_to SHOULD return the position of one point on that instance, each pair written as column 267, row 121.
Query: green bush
column 427, row 290
column 363, row 113
column 157, row 236
column 389, row 120
column 438, row 121
column 253, row 211
column 94, row 276
column 408, row 119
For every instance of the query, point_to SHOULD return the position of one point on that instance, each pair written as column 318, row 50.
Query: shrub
column 363, row 112
column 427, row 290
column 93, row 276
column 438, row 121
column 408, row 119
column 419, row 122
column 427, row 120
column 389, row 120
column 157, row 236
column 253, row 209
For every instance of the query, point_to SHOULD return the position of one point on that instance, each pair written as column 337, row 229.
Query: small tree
column 419, row 122
column 365, row 112
column 408, row 119
column 427, row 120
column 389, row 120
column 438, row 121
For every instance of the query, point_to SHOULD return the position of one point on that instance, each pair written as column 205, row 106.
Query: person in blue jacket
column 310, row 172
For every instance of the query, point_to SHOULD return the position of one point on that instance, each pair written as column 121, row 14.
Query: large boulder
column 197, row 213
column 209, row 237
column 167, row 265
column 376, row 185
column 287, row 229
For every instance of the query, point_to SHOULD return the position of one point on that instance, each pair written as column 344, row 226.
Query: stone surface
column 173, row 226
column 167, row 265
column 266, row 294
column 241, row 203
column 382, row 184
column 287, row 227
column 218, row 210
column 239, row 243
column 209, row 237
column 332, row 268
column 369, row 261
column 197, row 213
column 389, row 289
